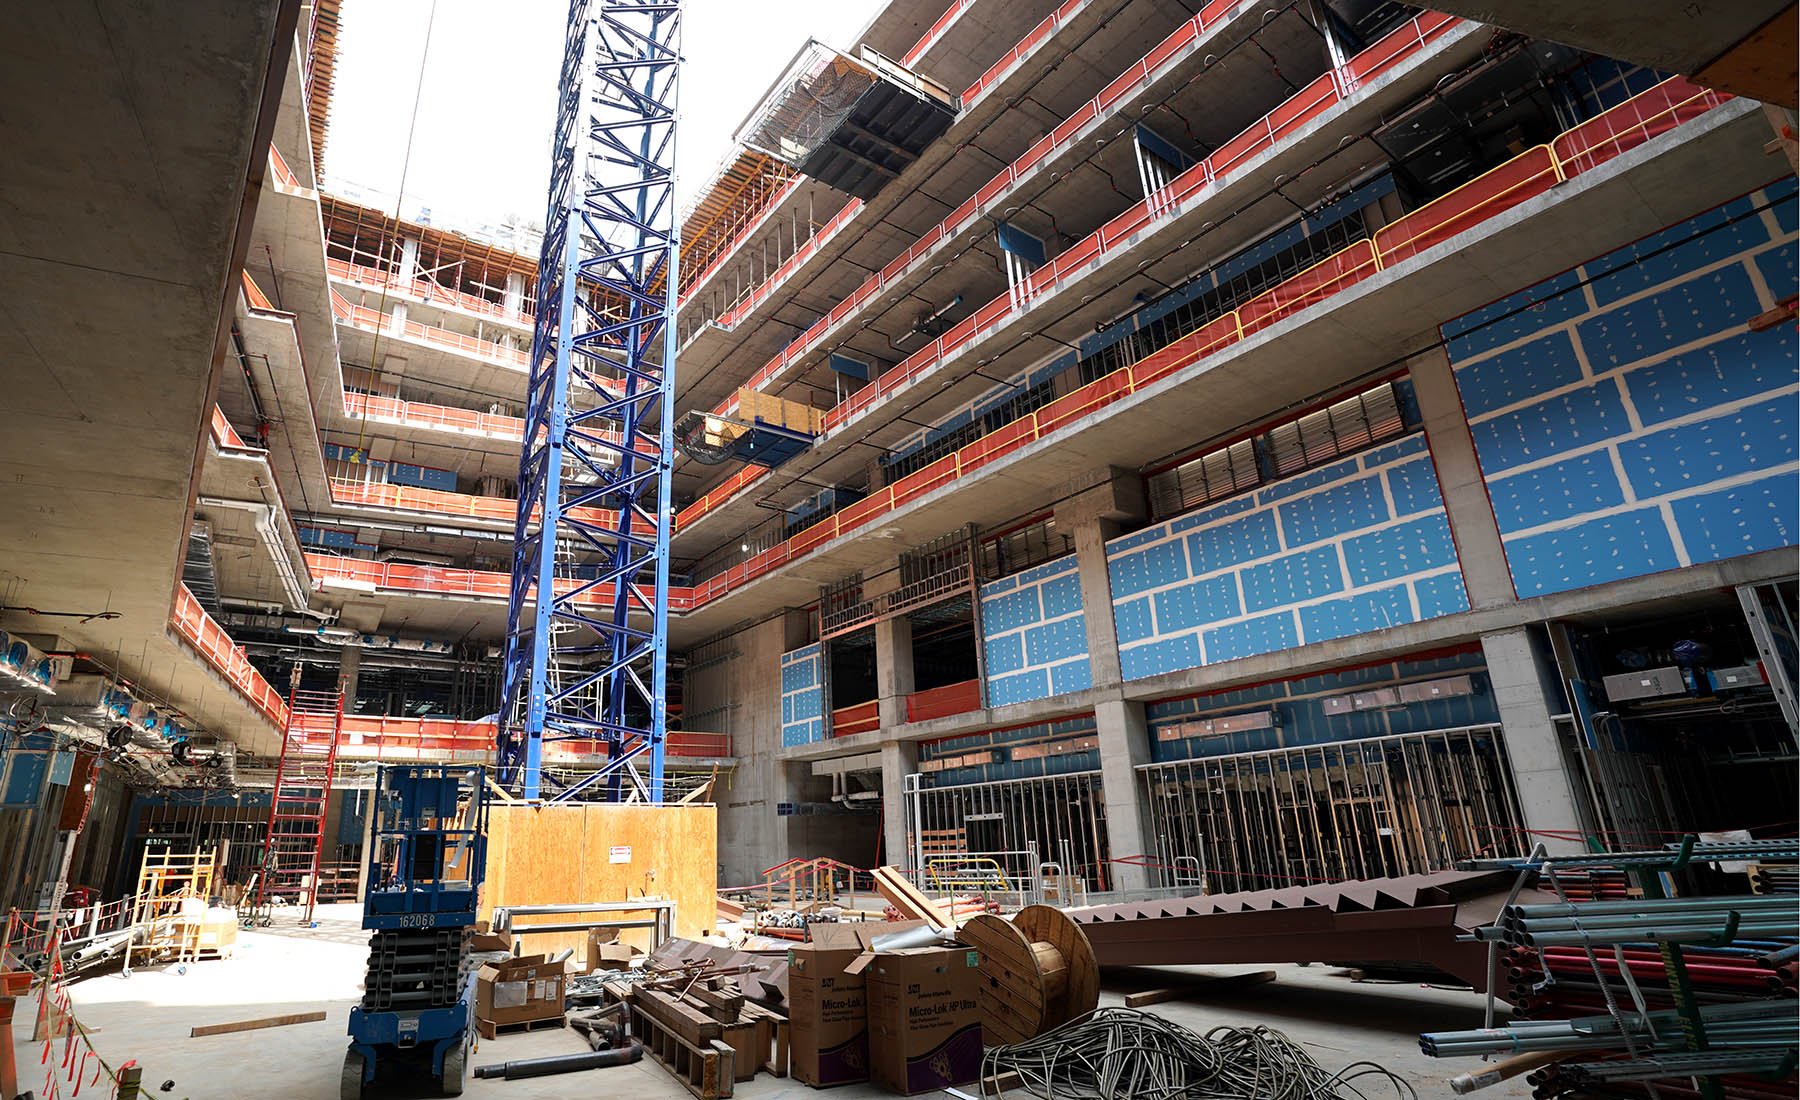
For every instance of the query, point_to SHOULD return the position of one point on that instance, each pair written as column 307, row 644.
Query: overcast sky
column 480, row 149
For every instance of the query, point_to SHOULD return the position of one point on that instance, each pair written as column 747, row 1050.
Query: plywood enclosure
column 550, row 854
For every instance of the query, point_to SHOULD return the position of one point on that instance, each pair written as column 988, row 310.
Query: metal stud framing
column 587, row 624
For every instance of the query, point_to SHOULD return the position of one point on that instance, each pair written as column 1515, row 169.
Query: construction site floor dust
column 148, row 1015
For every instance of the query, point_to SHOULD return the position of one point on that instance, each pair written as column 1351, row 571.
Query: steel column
column 587, row 620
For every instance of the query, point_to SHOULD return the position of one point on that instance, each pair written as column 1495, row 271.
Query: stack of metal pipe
column 1578, row 972
column 1643, row 920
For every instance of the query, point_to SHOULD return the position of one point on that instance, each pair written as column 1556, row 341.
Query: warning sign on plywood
column 621, row 853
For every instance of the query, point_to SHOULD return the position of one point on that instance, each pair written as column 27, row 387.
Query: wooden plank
column 254, row 1025
column 684, row 1020
column 1188, row 990
column 556, row 854
column 905, row 897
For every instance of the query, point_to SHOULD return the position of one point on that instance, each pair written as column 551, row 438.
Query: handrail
column 440, row 502
column 284, row 175
column 223, row 434
column 209, row 639
column 423, row 290
column 1648, row 115
column 1290, row 117
column 942, row 701
column 424, row 414
column 1532, row 172
column 377, row 321
column 857, row 718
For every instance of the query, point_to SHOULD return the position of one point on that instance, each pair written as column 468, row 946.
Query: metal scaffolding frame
column 594, row 471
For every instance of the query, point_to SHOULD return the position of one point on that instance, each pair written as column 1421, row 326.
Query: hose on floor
column 1116, row 1052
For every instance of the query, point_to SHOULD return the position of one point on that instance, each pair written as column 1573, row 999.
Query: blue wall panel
column 1358, row 545
column 1674, row 441
column 802, row 696
column 1035, row 633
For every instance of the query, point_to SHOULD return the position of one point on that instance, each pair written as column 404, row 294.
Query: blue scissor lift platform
column 426, row 861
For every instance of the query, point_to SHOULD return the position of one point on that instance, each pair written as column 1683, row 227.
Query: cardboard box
column 484, row 940
column 518, row 991
column 605, row 952
column 828, row 1022
column 924, row 1018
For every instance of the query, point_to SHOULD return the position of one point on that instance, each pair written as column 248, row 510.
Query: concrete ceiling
column 1745, row 47
column 133, row 137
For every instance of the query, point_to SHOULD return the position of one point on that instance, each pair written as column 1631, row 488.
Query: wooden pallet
column 709, row 1072
column 776, row 1054
column 488, row 1029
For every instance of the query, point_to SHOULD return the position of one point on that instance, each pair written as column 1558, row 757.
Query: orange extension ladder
column 296, row 837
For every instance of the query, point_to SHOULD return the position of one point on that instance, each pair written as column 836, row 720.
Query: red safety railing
column 1530, row 173
column 439, row 502
column 1292, row 117
column 423, row 290
column 253, row 294
column 943, row 701
column 278, row 167
column 425, row 415
column 861, row 718
column 1481, row 198
column 480, row 584
column 385, row 737
column 376, row 321
column 223, row 433
column 209, row 639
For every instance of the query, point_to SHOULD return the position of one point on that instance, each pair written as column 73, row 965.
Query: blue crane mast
column 587, row 618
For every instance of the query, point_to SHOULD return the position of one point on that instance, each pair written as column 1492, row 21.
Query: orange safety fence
column 409, row 498
column 1291, row 117
column 422, row 289
column 484, row 584
column 861, row 718
column 376, row 321
column 942, row 701
column 223, row 433
column 1481, row 198
column 209, row 639
column 283, row 174
column 423, row 414
column 985, row 198
column 253, row 294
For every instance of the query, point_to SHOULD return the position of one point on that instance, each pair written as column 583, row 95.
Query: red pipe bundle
column 1558, row 983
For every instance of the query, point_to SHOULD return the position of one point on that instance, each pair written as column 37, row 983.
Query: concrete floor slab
column 147, row 1016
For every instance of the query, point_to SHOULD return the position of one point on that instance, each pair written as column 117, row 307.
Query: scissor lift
column 427, row 859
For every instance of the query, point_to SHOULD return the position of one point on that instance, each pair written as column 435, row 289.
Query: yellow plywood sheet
column 556, row 854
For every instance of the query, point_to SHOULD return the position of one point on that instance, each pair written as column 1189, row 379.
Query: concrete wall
column 1354, row 546
column 1626, row 419
column 1034, row 633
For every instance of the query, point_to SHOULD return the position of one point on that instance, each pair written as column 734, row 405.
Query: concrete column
column 1124, row 744
column 349, row 673
column 1091, row 517
column 409, row 259
column 899, row 759
column 1527, row 692
column 514, row 298
column 396, row 318
column 893, row 669
column 1484, row 570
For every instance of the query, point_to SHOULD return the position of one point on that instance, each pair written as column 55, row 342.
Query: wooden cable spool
column 1037, row 969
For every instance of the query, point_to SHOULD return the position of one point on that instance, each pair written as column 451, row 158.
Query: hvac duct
column 338, row 635
column 268, row 529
